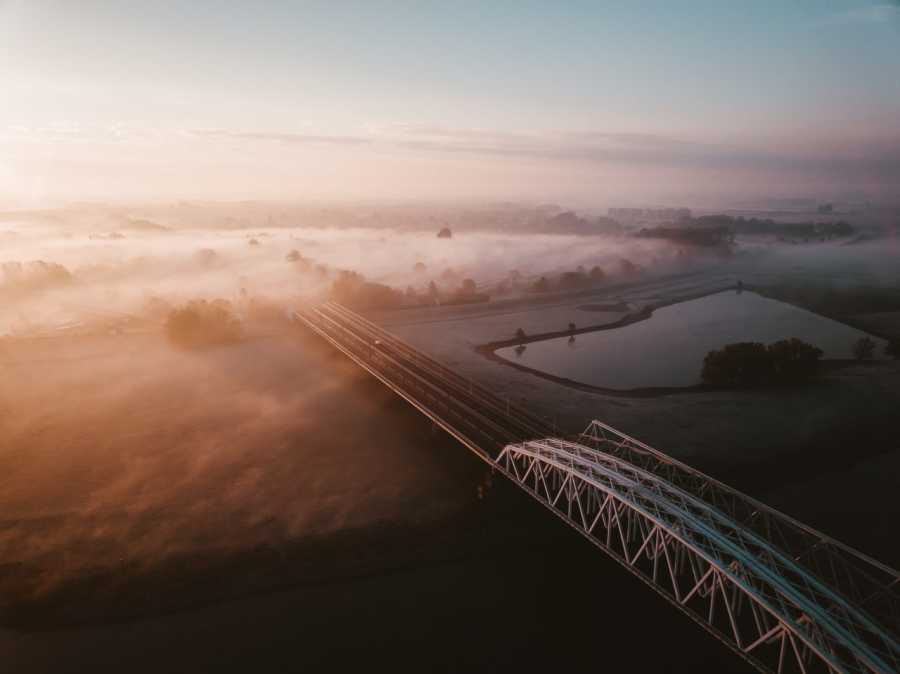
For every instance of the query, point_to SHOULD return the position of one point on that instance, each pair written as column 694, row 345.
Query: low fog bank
column 61, row 269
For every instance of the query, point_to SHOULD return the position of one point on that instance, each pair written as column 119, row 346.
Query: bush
column 745, row 364
column 201, row 324
column 864, row 348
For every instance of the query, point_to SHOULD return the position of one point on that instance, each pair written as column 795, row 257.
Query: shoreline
column 489, row 351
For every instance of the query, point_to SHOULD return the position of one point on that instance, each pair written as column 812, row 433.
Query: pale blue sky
column 522, row 84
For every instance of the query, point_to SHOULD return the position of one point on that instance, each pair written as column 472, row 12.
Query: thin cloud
column 884, row 13
column 288, row 138
column 634, row 149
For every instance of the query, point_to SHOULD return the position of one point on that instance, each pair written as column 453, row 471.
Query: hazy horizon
column 579, row 104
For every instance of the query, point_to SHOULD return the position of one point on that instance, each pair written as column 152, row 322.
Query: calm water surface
column 668, row 348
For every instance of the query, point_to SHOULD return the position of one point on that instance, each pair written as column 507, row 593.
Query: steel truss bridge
column 780, row 594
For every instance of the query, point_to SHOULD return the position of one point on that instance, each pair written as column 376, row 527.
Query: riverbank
column 662, row 343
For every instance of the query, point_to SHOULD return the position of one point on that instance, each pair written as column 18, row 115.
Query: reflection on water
column 668, row 348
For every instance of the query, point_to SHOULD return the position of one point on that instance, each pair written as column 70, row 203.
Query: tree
column 787, row 362
column 571, row 327
column 597, row 274
column 468, row 287
column 432, row 290
column 572, row 279
column 520, row 333
column 794, row 361
column 740, row 364
column 864, row 348
column 445, row 233
column 628, row 267
column 892, row 348
column 293, row 256
column 352, row 289
column 206, row 256
column 200, row 324
column 542, row 285
column 419, row 267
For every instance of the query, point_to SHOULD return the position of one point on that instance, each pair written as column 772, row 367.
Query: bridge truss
column 782, row 595
column 724, row 573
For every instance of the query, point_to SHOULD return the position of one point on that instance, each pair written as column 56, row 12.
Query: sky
column 590, row 102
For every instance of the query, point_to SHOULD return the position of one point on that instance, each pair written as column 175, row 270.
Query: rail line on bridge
column 780, row 594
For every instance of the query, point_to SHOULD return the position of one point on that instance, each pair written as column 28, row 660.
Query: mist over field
column 119, row 446
column 91, row 269
column 219, row 220
column 118, row 442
